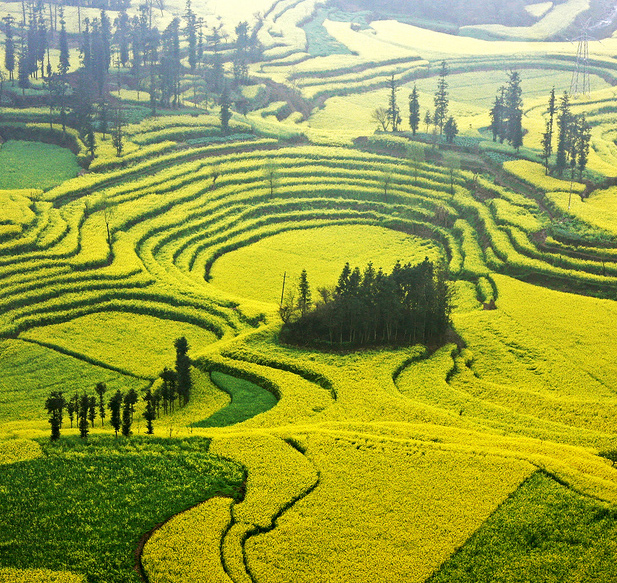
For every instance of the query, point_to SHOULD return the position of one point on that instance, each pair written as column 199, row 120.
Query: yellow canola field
column 8, row 575
column 599, row 210
column 170, row 556
column 381, row 513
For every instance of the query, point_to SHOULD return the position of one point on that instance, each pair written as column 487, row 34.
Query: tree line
column 573, row 135
column 158, row 60
column 370, row 307
column 389, row 118
column 83, row 409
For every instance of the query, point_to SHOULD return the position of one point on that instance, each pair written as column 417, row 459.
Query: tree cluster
column 573, row 138
column 389, row 118
column 507, row 113
column 83, row 409
column 370, row 307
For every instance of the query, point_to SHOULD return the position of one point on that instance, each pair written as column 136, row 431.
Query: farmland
column 486, row 457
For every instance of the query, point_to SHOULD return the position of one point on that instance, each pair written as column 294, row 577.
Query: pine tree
column 127, row 418
column 450, row 129
column 9, row 46
column 92, row 409
column 414, row 110
column 55, row 404
column 225, row 114
column 241, row 55
column 117, row 136
column 441, row 99
column 23, row 75
column 123, row 26
column 393, row 112
column 584, row 138
column 82, row 416
column 551, row 118
column 63, row 44
column 150, row 411
column 546, row 144
column 183, row 370
column 428, row 120
column 101, row 389
column 304, row 294
column 115, row 405
column 191, row 35
column 497, row 115
column 564, row 121
column 513, row 104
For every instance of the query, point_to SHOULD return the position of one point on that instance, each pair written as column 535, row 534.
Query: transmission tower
column 580, row 84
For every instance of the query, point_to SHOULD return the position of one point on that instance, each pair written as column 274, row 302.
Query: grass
column 247, row 400
column 35, row 165
column 543, row 533
column 84, row 507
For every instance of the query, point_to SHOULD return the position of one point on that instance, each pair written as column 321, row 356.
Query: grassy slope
column 35, row 165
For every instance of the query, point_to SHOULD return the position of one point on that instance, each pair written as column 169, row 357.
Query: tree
column 450, row 129
column 117, row 136
column 271, row 173
column 453, row 163
column 183, row 370
column 583, row 140
column 9, row 46
column 241, row 53
column 191, row 35
column 92, row 410
column 415, row 158
column 428, row 119
column 550, row 122
column 150, row 412
column 55, row 404
column 441, row 99
column 414, row 110
column 564, row 138
column 393, row 112
column 82, row 416
column 168, row 390
column 497, row 116
column 380, row 115
column 304, row 294
column 101, row 389
column 115, row 405
column 23, row 75
column 546, row 144
column 513, row 104
column 225, row 114
column 127, row 417
column 386, row 180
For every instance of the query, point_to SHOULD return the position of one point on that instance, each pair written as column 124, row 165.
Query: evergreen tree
column 304, row 294
column 117, row 136
column 92, row 409
column 583, row 139
column 241, row 53
column 564, row 138
column 546, row 144
column 168, row 390
column 63, row 44
column 217, row 76
column 225, row 114
column 105, row 40
column 441, row 100
column 514, row 110
column 70, row 409
column 414, row 110
column 85, row 48
column 82, row 416
column 122, row 36
column 191, row 35
column 393, row 112
column 551, row 118
column 450, row 129
column 150, row 411
column 55, row 404
column 127, row 418
column 101, row 389
column 9, row 46
column 23, row 76
column 115, row 405
column 428, row 120
column 183, row 370
column 497, row 116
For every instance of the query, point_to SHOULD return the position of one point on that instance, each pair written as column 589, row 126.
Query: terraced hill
column 476, row 461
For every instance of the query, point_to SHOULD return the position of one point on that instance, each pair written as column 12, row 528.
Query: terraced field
column 379, row 465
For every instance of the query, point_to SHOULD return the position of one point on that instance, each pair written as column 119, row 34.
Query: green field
column 32, row 165
column 481, row 458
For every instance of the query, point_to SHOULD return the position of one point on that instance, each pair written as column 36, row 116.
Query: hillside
column 180, row 195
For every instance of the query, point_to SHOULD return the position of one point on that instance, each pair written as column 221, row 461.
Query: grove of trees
column 370, row 307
